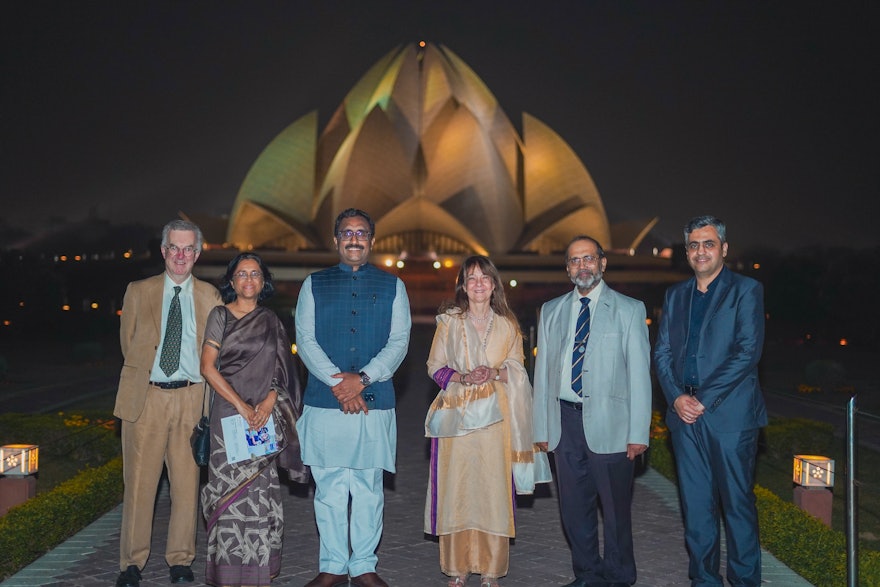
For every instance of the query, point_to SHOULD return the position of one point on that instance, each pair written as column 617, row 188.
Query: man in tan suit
column 160, row 401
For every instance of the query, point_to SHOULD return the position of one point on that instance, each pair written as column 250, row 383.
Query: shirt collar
column 593, row 295
column 185, row 286
column 712, row 284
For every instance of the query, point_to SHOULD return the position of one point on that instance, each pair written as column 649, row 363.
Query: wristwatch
column 365, row 379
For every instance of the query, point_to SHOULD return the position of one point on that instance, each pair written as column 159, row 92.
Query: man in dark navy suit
column 706, row 359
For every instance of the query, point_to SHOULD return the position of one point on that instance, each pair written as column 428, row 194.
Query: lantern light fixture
column 19, row 459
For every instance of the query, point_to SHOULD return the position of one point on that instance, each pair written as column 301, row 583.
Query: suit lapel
column 562, row 323
column 682, row 313
column 200, row 303
column 601, row 323
column 719, row 294
column 155, row 301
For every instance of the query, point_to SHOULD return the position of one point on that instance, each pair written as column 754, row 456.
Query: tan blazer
column 139, row 333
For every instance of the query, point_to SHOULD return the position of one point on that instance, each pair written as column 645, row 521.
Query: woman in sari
column 246, row 361
column 480, row 427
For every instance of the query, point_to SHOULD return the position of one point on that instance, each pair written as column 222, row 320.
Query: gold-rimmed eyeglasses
column 242, row 275
column 585, row 260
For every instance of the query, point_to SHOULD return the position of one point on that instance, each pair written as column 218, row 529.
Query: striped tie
column 169, row 360
column 581, row 334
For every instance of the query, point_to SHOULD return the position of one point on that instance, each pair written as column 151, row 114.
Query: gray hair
column 702, row 222
column 179, row 224
column 583, row 237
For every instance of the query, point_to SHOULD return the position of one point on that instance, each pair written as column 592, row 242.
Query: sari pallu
column 242, row 501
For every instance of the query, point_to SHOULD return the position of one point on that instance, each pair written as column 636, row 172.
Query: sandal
column 489, row 582
column 457, row 582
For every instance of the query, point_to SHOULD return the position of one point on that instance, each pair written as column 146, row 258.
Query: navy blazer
column 730, row 344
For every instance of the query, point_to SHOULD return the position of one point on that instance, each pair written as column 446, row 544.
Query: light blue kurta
column 332, row 438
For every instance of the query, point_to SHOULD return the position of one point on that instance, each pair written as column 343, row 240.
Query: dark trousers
column 716, row 473
column 583, row 476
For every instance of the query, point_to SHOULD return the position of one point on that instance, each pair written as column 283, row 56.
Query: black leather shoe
column 182, row 574
column 130, row 577
column 328, row 580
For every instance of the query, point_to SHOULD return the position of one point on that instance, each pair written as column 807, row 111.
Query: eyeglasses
column 188, row 251
column 242, row 275
column 361, row 235
column 585, row 260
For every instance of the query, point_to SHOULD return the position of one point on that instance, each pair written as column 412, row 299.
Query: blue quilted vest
column 352, row 324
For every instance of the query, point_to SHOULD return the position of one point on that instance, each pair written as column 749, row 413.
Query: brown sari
column 242, row 501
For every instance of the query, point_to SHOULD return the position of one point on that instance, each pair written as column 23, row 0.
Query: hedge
column 30, row 530
column 799, row 540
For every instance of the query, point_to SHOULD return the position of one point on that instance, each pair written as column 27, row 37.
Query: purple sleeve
column 443, row 375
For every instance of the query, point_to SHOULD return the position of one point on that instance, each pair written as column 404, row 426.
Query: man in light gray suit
column 593, row 409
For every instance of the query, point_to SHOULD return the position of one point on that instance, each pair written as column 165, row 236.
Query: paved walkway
column 538, row 558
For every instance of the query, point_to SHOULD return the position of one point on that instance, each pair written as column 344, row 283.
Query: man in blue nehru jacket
column 352, row 332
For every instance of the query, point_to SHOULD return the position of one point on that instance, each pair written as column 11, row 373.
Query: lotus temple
column 424, row 147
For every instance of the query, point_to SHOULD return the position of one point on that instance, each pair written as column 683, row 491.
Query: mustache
column 361, row 247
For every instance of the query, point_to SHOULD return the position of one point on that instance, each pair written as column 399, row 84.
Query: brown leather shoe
column 328, row 580
column 368, row 580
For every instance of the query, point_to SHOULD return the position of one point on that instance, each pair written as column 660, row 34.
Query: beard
column 586, row 279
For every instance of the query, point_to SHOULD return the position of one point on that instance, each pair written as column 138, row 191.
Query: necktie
column 581, row 334
column 170, row 359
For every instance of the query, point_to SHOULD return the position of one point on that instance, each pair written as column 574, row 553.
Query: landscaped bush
column 785, row 437
column 68, row 442
column 805, row 544
column 30, row 530
column 802, row 542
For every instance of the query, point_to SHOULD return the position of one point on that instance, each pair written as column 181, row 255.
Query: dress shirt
column 190, row 368
column 699, row 304
column 567, row 393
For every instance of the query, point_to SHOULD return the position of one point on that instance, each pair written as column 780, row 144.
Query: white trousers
column 334, row 486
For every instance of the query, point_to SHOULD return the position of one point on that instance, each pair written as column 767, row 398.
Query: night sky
column 762, row 113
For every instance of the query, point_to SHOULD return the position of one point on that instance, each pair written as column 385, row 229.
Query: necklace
column 483, row 319
column 485, row 340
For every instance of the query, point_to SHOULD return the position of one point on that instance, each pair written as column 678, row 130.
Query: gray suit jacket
column 139, row 332
column 617, row 379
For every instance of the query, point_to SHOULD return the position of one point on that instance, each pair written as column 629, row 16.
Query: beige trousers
column 474, row 552
column 161, row 437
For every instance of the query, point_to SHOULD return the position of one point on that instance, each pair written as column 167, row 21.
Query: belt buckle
column 691, row 390
column 574, row 405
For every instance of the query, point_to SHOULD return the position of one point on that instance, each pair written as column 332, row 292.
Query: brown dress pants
column 160, row 436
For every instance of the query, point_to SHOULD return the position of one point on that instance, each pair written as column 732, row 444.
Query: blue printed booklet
column 242, row 443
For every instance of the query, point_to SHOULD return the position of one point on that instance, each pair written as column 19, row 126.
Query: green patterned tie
column 170, row 359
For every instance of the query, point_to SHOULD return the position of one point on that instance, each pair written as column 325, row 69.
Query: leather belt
column 691, row 390
column 171, row 384
column 573, row 405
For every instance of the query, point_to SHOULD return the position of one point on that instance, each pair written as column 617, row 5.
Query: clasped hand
column 688, row 408
column 480, row 375
column 348, row 393
column 258, row 416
